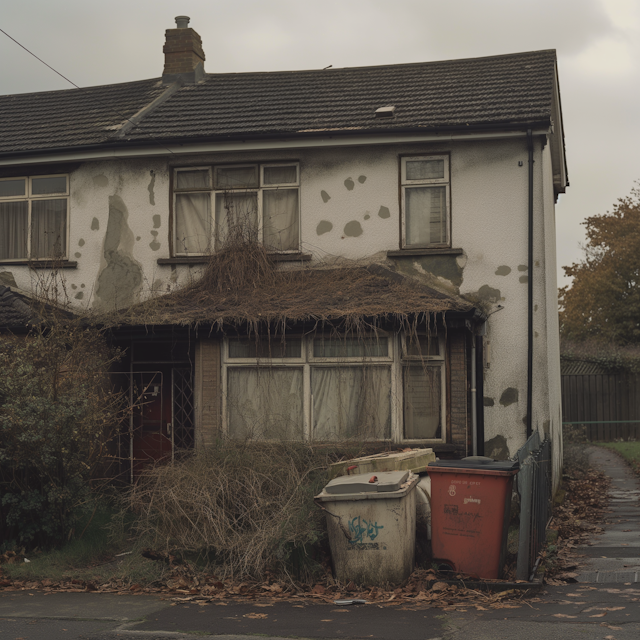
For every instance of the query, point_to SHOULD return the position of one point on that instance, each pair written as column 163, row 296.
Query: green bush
column 57, row 412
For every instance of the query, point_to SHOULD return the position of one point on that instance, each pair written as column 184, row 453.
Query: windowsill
column 436, row 251
column 42, row 264
column 276, row 257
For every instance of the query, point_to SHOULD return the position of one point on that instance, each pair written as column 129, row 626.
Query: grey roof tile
column 511, row 90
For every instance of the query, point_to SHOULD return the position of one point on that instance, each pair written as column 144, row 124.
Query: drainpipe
column 530, row 293
column 474, row 402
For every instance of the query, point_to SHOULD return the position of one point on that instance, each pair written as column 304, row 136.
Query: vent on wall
column 385, row 112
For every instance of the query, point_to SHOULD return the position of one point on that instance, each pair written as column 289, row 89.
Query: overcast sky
column 598, row 45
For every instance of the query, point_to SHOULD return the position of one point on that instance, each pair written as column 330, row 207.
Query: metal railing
column 533, row 484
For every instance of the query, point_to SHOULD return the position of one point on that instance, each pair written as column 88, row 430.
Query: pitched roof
column 513, row 90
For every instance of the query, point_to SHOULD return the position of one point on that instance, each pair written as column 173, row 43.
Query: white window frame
column 442, row 182
column 308, row 362
column 260, row 190
column 430, row 361
column 30, row 198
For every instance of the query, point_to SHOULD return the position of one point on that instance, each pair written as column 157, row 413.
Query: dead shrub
column 247, row 507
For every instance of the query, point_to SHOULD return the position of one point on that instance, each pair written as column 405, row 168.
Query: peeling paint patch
column 77, row 254
column 95, row 224
column 489, row 294
column 445, row 267
column 121, row 276
column 101, row 181
column 81, row 242
column 523, row 267
column 384, row 213
column 157, row 285
column 324, row 226
column 174, row 274
column 496, row 448
column 509, row 396
column 353, row 229
column 152, row 183
column 154, row 244
column 325, row 196
column 503, row 270
column 350, row 184
column 366, row 216
column 7, row 279
column 79, row 295
column 488, row 402
column 524, row 279
column 362, row 179
column 157, row 221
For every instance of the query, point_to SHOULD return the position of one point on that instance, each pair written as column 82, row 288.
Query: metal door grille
column 182, row 393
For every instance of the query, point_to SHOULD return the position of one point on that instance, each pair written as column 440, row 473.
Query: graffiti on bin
column 362, row 530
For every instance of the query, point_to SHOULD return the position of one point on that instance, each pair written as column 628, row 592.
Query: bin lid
column 379, row 482
column 478, row 462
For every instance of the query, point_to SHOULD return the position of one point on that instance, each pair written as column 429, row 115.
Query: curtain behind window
column 351, row 402
column 265, row 403
column 193, row 223
column 48, row 228
column 13, row 230
column 426, row 215
column 281, row 223
column 422, row 401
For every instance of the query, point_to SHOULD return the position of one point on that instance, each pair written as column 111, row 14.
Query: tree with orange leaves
column 603, row 301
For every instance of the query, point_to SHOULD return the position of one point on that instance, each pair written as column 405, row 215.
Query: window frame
column 30, row 198
column 260, row 189
column 445, row 181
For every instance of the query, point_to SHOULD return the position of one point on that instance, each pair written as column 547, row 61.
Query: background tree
column 603, row 301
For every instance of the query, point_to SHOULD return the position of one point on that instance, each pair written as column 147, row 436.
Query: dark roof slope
column 511, row 90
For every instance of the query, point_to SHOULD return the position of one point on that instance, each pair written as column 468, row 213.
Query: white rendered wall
column 119, row 227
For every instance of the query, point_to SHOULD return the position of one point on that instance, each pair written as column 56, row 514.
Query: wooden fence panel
column 607, row 404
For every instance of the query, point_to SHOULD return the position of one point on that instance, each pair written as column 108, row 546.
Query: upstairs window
column 34, row 217
column 253, row 202
column 424, row 182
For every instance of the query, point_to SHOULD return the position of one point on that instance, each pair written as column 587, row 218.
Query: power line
column 115, row 111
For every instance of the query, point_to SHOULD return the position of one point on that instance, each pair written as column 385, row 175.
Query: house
column 361, row 253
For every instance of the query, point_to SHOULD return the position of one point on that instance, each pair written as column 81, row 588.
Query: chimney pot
column 182, row 22
column 183, row 54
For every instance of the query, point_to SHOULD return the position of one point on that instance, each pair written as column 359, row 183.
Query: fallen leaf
column 563, row 615
column 598, row 615
column 255, row 616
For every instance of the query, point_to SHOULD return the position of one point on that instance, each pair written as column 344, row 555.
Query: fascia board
column 161, row 150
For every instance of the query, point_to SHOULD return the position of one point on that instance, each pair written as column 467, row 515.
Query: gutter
column 530, row 293
column 328, row 138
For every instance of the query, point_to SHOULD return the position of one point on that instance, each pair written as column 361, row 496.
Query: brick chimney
column 183, row 54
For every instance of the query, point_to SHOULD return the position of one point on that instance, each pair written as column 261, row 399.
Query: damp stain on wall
column 120, row 275
column 81, row 242
column 150, row 188
column 101, row 181
column 353, row 229
column 74, row 286
column 523, row 267
column 325, row 196
column 157, row 221
column 503, row 270
column 79, row 295
column 524, row 279
column 497, row 448
column 366, row 216
column 324, row 226
column 77, row 254
column 362, row 179
column 154, row 244
column 95, row 224
column 384, row 213
column 488, row 402
column 350, row 184
column 509, row 396
column 489, row 294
